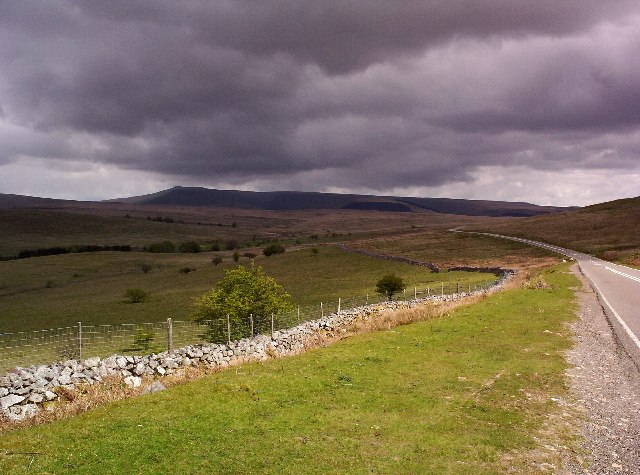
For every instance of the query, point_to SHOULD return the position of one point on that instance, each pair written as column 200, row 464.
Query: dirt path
column 606, row 387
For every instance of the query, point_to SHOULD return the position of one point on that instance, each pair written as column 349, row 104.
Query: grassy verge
column 447, row 395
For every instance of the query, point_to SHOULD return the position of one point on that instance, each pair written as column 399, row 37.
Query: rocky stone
column 155, row 387
column 36, row 398
column 10, row 400
column 133, row 381
column 23, row 412
column 92, row 362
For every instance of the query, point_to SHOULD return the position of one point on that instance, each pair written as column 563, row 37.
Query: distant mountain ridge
column 299, row 200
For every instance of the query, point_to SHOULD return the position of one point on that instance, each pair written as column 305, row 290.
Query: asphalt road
column 617, row 286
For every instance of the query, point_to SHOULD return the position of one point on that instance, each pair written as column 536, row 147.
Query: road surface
column 617, row 286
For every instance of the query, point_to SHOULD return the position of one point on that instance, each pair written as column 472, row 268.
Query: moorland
column 467, row 390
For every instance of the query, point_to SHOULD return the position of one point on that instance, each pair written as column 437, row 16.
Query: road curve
column 617, row 287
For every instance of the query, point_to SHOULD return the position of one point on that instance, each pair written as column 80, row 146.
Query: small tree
column 241, row 293
column 135, row 295
column 389, row 285
column 143, row 338
column 273, row 249
column 236, row 256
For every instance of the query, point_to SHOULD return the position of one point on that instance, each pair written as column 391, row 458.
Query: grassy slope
column 451, row 395
column 608, row 230
column 107, row 224
column 449, row 249
column 90, row 287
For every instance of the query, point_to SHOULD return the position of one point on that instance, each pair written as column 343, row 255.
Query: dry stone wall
column 25, row 391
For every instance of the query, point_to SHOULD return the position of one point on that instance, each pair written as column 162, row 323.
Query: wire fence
column 84, row 341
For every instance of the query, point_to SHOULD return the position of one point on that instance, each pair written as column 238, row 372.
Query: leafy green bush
column 143, row 338
column 189, row 246
column 136, row 295
column 241, row 293
column 389, row 285
column 164, row 246
column 273, row 249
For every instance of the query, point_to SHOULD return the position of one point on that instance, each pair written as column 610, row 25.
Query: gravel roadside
column 605, row 384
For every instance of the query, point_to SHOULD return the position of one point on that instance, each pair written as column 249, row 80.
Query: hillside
column 297, row 200
column 609, row 230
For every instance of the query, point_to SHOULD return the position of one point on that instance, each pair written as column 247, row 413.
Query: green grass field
column 57, row 291
column 450, row 395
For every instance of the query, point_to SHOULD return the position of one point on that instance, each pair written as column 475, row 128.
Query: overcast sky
column 516, row 100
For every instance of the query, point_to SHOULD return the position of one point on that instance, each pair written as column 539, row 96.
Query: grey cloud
column 349, row 94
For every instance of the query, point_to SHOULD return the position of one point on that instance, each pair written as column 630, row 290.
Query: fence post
column 442, row 293
column 79, row 340
column 251, row 321
column 457, row 287
column 228, row 329
column 272, row 326
column 169, row 334
column 367, row 298
column 415, row 293
column 321, row 310
column 339, row 304
column 298, row 314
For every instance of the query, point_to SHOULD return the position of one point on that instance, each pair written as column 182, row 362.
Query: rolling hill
column 609, row 230
column 297, row 200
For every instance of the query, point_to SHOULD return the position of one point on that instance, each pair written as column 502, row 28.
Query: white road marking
column 637, row 279
column 632, row 335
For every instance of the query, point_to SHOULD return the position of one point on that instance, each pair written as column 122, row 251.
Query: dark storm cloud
column 335, row 93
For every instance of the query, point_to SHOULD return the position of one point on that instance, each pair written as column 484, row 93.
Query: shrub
column 249, row 255
column 242, row 292
column 236, row 256
column 190, row 246
column 136, row 295
column 389, row 285
column 216, row 260
column 143, row 338
column 231, row 244
column 273, row 249
column 164, row 246
column 145, row 268
column 186, row 270
column 315, row 251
